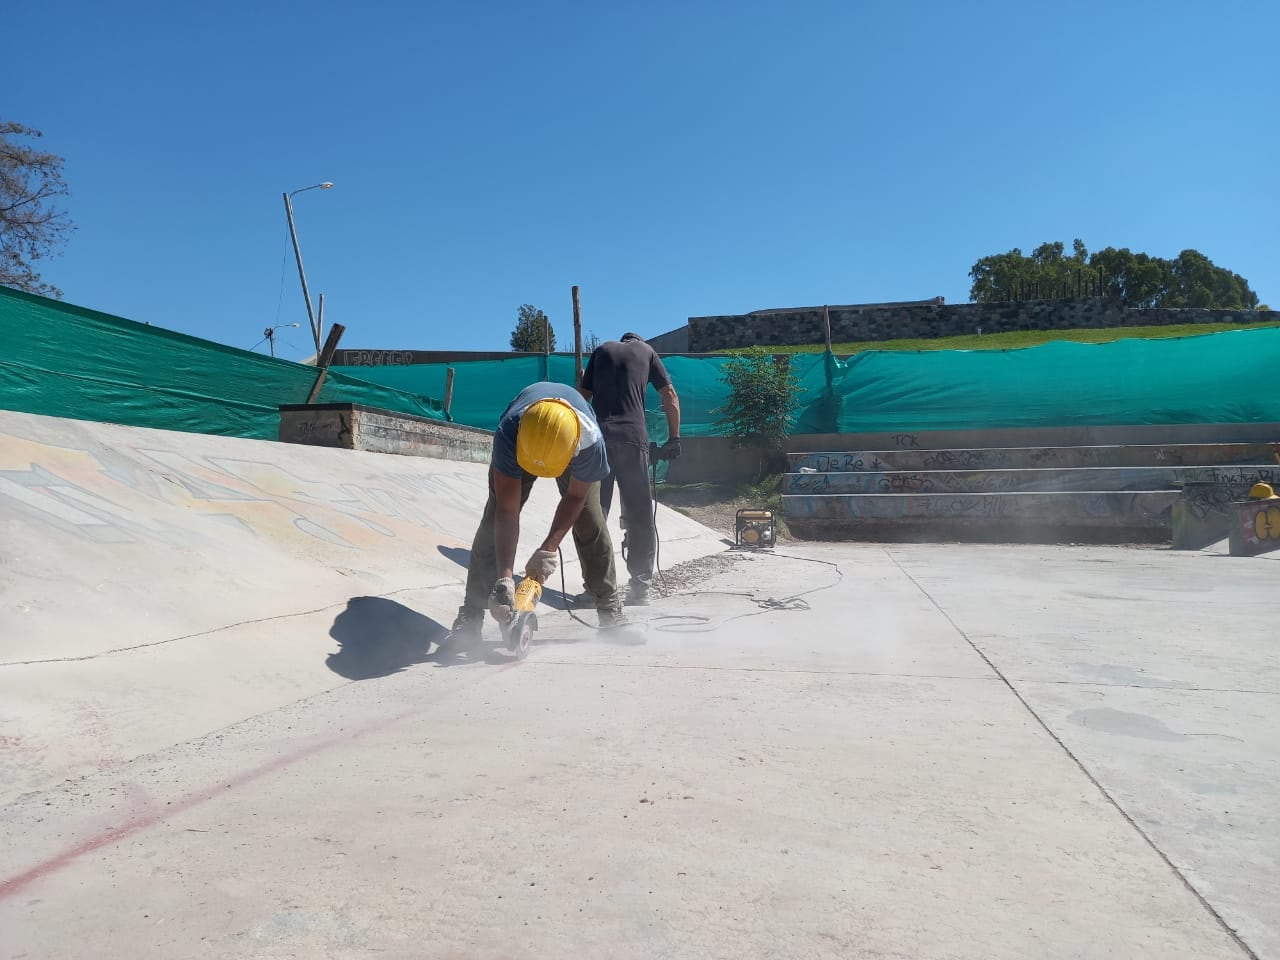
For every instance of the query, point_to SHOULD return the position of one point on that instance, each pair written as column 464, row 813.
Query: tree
column 531, row 330
column 1006, row 276
column 589, row 343
column 1135, row 279
column 763, row 393
column 32, row 226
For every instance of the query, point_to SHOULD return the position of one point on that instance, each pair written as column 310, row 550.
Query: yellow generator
column 755, row 528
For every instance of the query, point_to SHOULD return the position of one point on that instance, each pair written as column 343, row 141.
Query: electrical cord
column 696, row 623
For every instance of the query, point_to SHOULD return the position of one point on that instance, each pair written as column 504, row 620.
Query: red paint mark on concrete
column 150, row 817
column 147, row 818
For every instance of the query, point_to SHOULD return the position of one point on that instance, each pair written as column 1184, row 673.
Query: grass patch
column 1017, row 339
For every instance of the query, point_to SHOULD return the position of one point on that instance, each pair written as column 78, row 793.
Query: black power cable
column 695, row 623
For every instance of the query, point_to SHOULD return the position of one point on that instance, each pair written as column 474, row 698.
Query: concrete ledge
column 1236, row 480
column 351, row 426
column 1255, row 527
column 1167, row 434
column 1109, row 508
column 714, row 459
column 1010, row 458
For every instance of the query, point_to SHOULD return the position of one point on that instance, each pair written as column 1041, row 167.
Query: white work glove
column 541, row 565
column 502, row 602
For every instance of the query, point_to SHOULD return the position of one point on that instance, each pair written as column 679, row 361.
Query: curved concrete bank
column 156, row 586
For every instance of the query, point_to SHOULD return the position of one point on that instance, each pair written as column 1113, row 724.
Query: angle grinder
column 519, row 632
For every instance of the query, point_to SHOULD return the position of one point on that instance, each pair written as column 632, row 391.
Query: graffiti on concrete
column 905, row 483
column 1255, row 527
column 103, row 496
column 1097, row 507
column 908, row 440
column 967, row 459
column 375, row 358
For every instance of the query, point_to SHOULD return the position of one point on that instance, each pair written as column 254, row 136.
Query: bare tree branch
column 32, row 226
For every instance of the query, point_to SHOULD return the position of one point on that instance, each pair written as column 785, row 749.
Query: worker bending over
column 548, row 430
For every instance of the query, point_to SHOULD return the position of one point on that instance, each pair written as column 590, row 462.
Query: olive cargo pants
column 590, row 536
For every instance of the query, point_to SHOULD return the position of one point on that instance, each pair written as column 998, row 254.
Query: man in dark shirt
column 615, row 381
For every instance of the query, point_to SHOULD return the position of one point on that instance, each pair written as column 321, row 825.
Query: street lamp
column 288, row 209
column 269, row 334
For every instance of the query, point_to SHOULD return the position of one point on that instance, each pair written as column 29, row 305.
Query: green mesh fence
column 1215, row 378
column 65, row 361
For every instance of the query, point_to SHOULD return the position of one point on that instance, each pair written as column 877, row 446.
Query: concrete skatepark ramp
column 160, row 585
column 826, row 751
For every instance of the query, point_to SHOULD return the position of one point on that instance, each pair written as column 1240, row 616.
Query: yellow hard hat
column 1261, row 491
column 547, row 438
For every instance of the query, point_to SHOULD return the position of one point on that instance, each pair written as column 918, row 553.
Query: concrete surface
column 1062, row 457
column 157, row 585
column 351, row 426
column 1159, row 434
column 715, row 459
column 1043, row 479
column 935, row 752
column 1103, row 508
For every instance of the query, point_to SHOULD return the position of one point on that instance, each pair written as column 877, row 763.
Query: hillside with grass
column 1018, row 339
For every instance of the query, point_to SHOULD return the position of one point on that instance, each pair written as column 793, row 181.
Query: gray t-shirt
column 589, row 464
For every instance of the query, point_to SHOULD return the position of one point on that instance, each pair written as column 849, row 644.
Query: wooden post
column 577, row 340
column 826, row 327
column 326, row 358
column 448, row 391
column 320, row 318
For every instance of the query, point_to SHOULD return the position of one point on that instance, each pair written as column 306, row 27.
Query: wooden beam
column 326, row 358
column 577, row 340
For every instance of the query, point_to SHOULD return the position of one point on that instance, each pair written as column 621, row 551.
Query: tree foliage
column 1135, row 279
column 531, row 331
column 32, row 225
column 762, row 396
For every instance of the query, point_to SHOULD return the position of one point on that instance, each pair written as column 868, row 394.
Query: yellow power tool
column 524, row 624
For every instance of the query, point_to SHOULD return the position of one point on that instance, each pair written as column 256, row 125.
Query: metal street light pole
column 288, row 209
column 269, row 334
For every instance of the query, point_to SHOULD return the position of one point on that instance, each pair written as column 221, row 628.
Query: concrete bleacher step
column 1041, row 515
column 1116, row 493
column 1143, row 455
column 1041, row 479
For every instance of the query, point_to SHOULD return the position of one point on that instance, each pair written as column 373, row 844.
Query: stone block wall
column 354, row 427
column 931, row 319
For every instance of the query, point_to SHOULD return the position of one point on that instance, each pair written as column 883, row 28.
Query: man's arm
column 506, row 522
column 567, row 511
column 671, row 407
column 588, row 378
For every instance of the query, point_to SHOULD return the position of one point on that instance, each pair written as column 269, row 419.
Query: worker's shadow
column 459, row 555
column 378, row 637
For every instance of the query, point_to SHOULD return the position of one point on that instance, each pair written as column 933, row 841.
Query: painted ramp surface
column 157, row 586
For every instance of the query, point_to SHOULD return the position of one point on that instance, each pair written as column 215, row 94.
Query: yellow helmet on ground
column 1262, row 491
column 547, row 438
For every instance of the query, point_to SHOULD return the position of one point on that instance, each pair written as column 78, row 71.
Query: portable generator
column 755, row 528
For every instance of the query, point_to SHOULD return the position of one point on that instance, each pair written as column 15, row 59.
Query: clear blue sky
column 672, row 158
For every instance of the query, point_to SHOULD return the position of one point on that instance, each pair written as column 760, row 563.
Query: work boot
column 637, row 593
column 612, row 617
column 619, row 629
column 467, row 632
column 584, row 600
